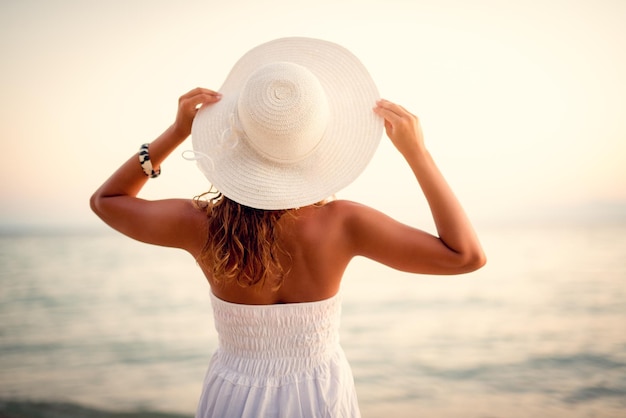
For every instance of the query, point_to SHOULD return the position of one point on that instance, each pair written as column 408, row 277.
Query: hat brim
column 348, row 144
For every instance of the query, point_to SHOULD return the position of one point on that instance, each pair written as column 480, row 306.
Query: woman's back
column 316, row 254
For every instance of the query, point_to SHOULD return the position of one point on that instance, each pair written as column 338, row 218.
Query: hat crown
column 283, row 111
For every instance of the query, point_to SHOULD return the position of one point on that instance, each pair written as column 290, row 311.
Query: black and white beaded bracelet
column 146, row 164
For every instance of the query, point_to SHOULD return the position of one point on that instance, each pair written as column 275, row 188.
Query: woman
column 296, row 120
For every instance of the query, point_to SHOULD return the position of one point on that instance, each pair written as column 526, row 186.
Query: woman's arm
column 456, row 250
column 162, row 222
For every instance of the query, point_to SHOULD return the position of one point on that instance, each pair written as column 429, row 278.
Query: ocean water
column 95, row 319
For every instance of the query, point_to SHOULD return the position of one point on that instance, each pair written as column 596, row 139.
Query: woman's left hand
column 188, row 105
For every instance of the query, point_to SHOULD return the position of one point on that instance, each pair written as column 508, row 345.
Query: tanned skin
column 320, row 239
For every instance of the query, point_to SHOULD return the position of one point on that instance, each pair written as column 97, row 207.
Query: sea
column 93, row 321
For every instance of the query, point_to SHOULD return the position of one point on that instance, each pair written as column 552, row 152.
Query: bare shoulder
column 186, row 226
column 349, row 214
column 354, row 214
column 196, row 220
column 323, row 224
column 347, row 220
column 343, row 209
column 338, row 212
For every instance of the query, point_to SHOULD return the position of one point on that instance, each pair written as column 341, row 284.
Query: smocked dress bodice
column 278, row 361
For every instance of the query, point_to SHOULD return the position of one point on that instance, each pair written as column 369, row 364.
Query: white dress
column 278, row 361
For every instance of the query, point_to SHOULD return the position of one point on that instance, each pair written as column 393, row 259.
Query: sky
column 522, row 103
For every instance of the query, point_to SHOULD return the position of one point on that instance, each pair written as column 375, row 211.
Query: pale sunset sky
column 523, row 103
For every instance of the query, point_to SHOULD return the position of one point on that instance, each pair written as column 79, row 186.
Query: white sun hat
column 294, row 126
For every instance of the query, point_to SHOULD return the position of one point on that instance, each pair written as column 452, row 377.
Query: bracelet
column 146, row 164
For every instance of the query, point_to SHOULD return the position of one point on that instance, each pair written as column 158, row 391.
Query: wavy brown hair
column 242, row 244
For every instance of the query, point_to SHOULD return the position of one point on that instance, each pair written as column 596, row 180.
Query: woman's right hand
column 188, row 105
column 402, row 127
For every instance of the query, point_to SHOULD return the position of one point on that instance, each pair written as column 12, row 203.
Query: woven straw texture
column 237, row 169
